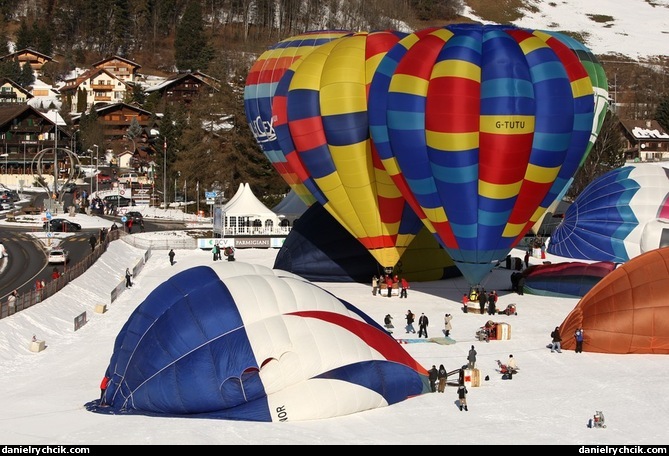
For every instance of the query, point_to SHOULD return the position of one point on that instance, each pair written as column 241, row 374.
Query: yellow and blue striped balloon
column 480, row 120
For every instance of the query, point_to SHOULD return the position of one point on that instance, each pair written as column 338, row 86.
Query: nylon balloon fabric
column 261, row 84
column 606, row 221
column 480, row 120
column 231, row 341
column 627, row 311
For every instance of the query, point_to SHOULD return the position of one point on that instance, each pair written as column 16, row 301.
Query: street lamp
column 5, row 155
column 96, row 168
column 175, row 185
column 165, row 172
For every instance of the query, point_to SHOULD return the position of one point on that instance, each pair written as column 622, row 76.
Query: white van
column 128, row 178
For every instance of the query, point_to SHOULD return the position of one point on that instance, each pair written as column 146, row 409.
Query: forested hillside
column 222, row 38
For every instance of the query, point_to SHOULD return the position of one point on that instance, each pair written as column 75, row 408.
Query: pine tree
column 27, row 77
column 192, row 51
column 662, row 113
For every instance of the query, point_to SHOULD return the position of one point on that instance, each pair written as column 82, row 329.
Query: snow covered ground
column 549, row 402
column 634, row 28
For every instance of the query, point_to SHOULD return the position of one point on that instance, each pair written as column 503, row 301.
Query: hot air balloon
column 245, row 342
column 261, row 84
column 571, row 279
column 627, row 311
column 325, row 112
column 606, row 221
column 321, row 250
column 480, row 121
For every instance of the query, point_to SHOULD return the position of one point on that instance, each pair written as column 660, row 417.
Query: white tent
column 244, row 213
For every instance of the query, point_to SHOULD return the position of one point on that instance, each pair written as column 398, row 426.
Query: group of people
column 390, row 282
column 556, row 340
column 423, row 323
column 437, row 379
column 487, row 301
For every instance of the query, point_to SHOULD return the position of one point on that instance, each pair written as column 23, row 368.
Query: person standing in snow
column 432, row 376
column 471, row 357
column 410, row 318
column 422, row 325
column 447, row 324
column 171, row 255
column 557, row 340
column 103, row 388
column 462, row 396
column 578, row 335
column 128, row 277
column 404, row 286
column 442, row 375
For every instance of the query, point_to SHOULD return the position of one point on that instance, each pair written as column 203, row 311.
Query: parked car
column 9, row 196
column 135, row 216
column 103, row 178
column 58, row 256
column 128, row 178
column 6, row 205
column 61, row 225
column 69, row 187
column 117, row 201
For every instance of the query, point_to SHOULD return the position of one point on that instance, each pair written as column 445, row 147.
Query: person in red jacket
column 389, row 284
column 103, row 388
column 404, row 286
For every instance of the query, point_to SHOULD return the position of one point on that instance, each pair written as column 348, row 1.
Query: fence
column 30, row 298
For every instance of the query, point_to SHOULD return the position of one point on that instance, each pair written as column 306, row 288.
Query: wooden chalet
column 645, row 140
column 24, row 132
column 115, row 120
column 11, row 92
column 123, row 69
column 97, row 86
column 183, row 88
column 34, row 58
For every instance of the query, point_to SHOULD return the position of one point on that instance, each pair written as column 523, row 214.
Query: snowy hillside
column 636, row 28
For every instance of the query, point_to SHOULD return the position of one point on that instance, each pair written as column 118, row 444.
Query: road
column 27, row 260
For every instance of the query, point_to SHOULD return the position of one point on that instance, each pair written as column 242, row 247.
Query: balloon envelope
column 326, row 114
column 261, row 84
column 627, row 311
column 606, row 221
column 243, row 342
column 480, row 121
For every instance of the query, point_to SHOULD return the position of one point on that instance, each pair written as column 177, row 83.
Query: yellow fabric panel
column 541, row 174
column 582, row 87
column 512, row 230
column 456, row 68
column 353, row 164
column 387, row 257
column 385, row 186
column 501, row 125
column 436, row 215
column 452, row 141
column 404, row 83
column 542, row 35
column 531, row 44
column 497, row 191
column 311, row 68
column 442, row 33
column 390, row 164
column 343, row 87
column 304, row 194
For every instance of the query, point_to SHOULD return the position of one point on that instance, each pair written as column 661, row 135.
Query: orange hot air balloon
column 627, row 311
